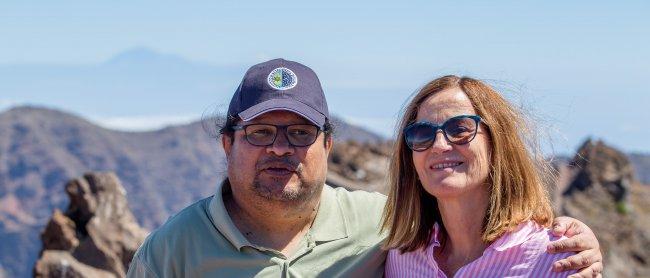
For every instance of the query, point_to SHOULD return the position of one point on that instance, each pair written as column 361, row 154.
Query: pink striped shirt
column 520, row 253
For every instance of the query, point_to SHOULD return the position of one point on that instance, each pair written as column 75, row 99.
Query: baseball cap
column 280, row 85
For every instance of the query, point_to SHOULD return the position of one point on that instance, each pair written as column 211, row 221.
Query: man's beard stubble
column 302, row 192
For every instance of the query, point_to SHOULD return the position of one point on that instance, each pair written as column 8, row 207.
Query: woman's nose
column 440, row 144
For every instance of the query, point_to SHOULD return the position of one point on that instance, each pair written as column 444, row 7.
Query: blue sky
column 579, row 68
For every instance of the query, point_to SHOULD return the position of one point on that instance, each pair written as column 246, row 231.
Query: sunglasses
column 262, row 135
column 457, row 130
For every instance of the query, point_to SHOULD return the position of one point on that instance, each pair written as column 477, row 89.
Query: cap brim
column 287, row 105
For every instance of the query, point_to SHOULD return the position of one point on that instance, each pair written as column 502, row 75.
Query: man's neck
column 276, row 225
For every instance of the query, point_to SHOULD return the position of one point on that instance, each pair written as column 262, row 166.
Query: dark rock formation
column 56, row 263
column 60, row 233
column 97, row 235
column 359, row 166
column 602, row 166
column 603, row 193
column 345, row 132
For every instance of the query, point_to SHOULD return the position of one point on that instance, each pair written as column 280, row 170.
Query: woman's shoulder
column 526, row 246
column 527, row 235
column 521, row 252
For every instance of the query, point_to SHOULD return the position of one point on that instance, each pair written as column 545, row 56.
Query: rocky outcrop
column 359, row 166
column 96, row 236
column 55, row 263
column 603, row 167
column 603, row 193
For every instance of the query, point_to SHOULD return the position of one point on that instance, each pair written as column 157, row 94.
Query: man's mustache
column 284, row 162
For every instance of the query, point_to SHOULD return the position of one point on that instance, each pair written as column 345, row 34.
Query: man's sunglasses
column 457, row 130
column 298, row 135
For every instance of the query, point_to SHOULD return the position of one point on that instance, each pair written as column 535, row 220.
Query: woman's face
column 447, row 170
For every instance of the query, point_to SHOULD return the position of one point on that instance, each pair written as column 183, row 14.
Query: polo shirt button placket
column 285, row 265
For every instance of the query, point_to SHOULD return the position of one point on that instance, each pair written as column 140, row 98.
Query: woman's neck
column 463, row 220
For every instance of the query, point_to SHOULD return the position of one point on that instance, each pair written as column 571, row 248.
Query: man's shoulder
column 185, row 225
column 359, row 199
column 167, row 249
column 362, row 211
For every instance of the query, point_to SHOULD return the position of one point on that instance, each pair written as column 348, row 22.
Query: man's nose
column 281, row 145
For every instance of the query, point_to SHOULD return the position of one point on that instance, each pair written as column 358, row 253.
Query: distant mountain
column 162, row 171
column 144, row 56
column 156, row 79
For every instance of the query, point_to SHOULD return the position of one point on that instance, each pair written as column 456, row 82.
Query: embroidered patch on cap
column 282, row 79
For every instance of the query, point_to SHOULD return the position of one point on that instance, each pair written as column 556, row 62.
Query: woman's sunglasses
column 458, row 130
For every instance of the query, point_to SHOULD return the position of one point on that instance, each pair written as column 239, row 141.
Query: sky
column 579, row 68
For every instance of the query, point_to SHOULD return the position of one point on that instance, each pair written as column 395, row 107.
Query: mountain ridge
column 162, row 170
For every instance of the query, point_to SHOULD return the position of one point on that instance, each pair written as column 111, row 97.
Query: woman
column 467, row 197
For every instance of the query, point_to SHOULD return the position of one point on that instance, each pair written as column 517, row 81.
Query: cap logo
column 282, row 79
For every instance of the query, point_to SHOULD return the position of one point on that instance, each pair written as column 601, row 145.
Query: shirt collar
column 510, row 239
column 330, row 223
column 433, row 242
column 221, row 219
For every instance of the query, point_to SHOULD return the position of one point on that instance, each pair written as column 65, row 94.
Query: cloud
column 143, row 123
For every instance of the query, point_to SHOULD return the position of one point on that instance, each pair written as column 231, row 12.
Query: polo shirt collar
column 222, row 221
column 330, row 223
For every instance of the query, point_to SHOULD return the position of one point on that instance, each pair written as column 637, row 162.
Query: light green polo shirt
column 203, row 241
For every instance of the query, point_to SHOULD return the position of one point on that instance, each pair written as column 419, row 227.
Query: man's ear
column 329, row 142
column 226, row 143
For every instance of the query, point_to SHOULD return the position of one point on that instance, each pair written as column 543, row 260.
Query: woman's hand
column 581, row 239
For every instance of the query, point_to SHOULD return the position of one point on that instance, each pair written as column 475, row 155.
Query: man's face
column 280, row 171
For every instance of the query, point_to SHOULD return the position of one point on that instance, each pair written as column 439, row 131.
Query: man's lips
column 278, row 171
column 283, row 166
column 278, row 168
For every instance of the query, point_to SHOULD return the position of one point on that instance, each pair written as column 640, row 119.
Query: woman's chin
column 447, row 187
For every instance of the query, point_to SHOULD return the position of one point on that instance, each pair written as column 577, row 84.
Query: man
column 274, row 216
